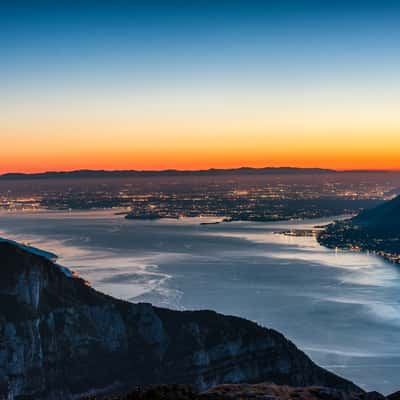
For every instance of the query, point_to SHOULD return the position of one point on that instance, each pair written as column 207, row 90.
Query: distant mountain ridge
column 88, row 173
column 93, row 173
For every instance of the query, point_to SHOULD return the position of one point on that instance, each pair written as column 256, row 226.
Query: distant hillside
column 384, row 218
column 168, row 172
column 376, row 230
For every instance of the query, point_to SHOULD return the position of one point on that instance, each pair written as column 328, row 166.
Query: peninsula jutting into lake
column 376, row 230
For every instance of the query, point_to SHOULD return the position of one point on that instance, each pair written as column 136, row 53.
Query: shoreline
column 382, row 255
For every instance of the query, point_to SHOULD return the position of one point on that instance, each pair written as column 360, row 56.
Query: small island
column 151, row 216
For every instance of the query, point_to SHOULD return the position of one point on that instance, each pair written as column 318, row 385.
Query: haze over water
column 341, row 308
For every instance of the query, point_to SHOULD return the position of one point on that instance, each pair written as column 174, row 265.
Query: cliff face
column 59, row 338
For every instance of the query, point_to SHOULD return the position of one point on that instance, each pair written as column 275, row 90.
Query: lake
column 342, row 308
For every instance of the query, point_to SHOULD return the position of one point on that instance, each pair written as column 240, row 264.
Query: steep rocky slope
column 59, row 339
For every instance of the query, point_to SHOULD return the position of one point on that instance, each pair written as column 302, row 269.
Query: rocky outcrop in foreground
column 262, row 391
column 61, row 339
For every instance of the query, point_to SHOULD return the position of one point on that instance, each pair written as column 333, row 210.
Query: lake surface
column 341, row 308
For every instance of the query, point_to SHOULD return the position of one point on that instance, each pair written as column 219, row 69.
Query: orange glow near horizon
column 223, row 153
column 192, row 139
column 152, row 89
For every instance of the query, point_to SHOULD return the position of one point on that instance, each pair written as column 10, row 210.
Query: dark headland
column 376, row 230
column 61, row 339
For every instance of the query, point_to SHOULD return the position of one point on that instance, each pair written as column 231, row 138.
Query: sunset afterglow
column 150, row 86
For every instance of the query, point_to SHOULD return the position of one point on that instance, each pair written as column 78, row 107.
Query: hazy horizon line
column 210, row 169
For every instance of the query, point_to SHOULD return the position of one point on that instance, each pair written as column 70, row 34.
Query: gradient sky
column 188, row 85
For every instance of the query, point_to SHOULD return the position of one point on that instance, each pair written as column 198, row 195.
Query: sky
column 199, row 84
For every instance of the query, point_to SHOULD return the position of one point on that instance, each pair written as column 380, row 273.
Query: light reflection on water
column 341, row 307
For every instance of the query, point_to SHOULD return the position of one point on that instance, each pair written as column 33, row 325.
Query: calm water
column 341, row 308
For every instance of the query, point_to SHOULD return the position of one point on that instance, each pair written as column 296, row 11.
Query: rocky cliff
column 260, row 391
column 60, row 339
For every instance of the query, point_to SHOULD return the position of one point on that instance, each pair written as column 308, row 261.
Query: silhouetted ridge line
column 85, row 173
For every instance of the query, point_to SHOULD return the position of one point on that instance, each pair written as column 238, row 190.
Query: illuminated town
column 236, row 197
